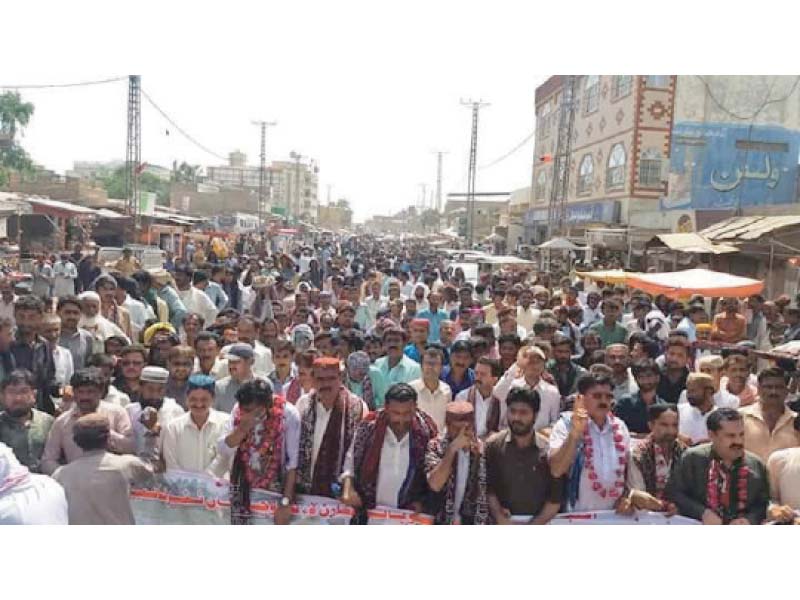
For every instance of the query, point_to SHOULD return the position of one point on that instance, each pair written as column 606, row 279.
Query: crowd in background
column 365, row 370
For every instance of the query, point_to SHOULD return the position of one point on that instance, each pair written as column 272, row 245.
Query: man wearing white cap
column 240, row 365
column 95, row 323
column 526, row 372
column 152, row 413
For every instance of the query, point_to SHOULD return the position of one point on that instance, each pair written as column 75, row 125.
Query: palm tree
column 14, row 114
column 185, row 173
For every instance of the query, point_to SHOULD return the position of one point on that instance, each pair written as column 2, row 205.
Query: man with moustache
column 78, row 341
column 385, row 465
column 520, row 481
column 261, row 437
column 395, row 367
column 189, row 441
column 152, row 413
column 480, row 395
column 633, row 408
column 720, row 483
column 23, row 428
column 527, row 315
column 618, row 359
column 88, row 387
column 456, row 470
column 675, row 372
column 329, row 416
column 527, row 372
column 565, row 372
column 591, row 447
column 653, row 459
column 769, row 424
column 693, row 414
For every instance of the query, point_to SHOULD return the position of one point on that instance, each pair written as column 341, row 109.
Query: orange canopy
column 682, row 284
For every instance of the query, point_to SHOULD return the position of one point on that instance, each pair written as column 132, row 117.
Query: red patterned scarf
column 345, row 416
column 367, row 448
column 644, row 457
column 258, row 461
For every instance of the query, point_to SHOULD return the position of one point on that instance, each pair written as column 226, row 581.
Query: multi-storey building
column 282, row 180
column 620, row 138
column 667, row 152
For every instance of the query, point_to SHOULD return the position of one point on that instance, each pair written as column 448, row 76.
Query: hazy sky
column 369, row 102
column 369, row 89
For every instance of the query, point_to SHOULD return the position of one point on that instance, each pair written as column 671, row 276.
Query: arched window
column 585, row 174
column 591, row 93
column 615, row 174
column 650, row 168
column 541, row 185
column 621, row 86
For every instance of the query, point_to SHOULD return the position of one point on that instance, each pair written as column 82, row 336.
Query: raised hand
column 580, row 418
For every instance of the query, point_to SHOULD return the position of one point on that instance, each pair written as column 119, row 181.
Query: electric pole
column 439, row 155
column 557, row 209
column 133, row 154
column 296, row 157
column 475, row 106
column 263, row 210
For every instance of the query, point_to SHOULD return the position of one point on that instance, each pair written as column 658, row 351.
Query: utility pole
column 296, row 157
column 557, row 213
column 438, row 205
column 133, row 153
column 476, row 106
column 263, row 211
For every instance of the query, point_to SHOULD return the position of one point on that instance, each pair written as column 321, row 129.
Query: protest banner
column 609, row 517
column 182, row 498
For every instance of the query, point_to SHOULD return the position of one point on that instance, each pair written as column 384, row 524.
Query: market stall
column 703, row 282
column 564, row 248
column 613, row 276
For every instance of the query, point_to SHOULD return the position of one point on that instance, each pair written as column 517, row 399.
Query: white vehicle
column 150, row 257
column 240, row 223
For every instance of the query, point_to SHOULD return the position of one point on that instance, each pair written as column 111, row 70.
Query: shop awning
column 745, row 229
column 45, row 206
column 560, row 244
column 691, row 243
column 682, row 284
column 613, row 276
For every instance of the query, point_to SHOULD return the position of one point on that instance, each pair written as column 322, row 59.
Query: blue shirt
column 435, row 320
column 217, row 295
column 690, row 328
column 404, row 371
column 456, row 388
column 413, row 353
column 177, row 311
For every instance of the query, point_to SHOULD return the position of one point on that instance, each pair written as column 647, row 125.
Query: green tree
column 185, row 173
column 15, row 114
column 115, row 186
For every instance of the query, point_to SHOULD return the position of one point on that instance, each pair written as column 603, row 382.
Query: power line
column 62, row 85
column 180, row 129
column 763, row 105
column 510, row 152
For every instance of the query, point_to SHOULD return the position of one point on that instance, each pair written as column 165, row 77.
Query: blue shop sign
column 606, row 211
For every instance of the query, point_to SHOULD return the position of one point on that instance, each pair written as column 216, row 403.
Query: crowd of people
column 365, row 370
